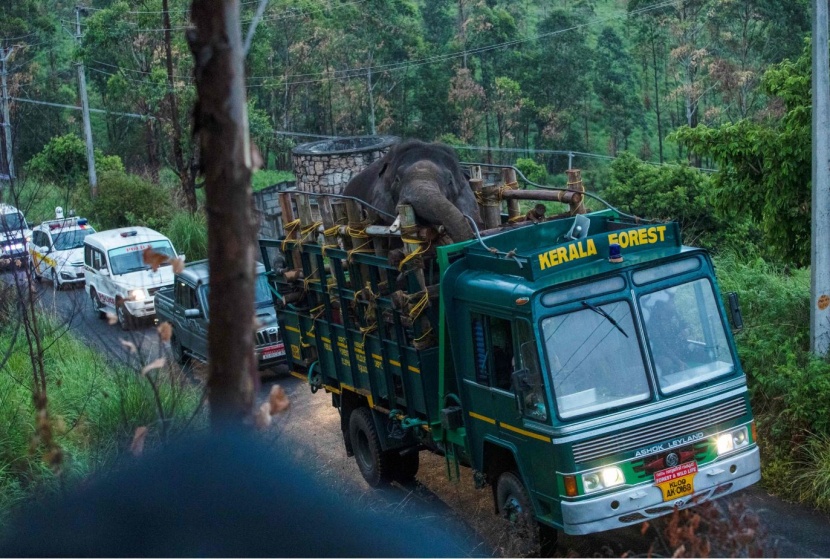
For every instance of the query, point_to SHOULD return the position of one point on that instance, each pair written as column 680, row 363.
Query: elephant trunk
column 431, row 205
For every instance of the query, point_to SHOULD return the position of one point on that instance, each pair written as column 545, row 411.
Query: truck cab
column 603, row 369
column 185, row 306
column 14, row 234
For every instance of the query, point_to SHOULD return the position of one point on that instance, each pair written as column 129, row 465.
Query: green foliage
column 812, row 482
column 765, row 166
column 188, row 233
column 63, row 161
column 788, row 385
column 95, row 408
column 265, row 178
column 671, row 192
column 532, row 170
column 124, row 200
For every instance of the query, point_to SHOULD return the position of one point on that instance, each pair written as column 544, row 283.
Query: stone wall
column 267, row 202
column 327, row 165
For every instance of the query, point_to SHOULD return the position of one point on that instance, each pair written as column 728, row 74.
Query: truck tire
column 372, row 462
column 125, row 319
column 404, row 467
column 514, row 505
column 177, row 350
column 96, row 305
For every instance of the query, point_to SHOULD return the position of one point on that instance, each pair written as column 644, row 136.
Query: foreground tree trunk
column 221, row 123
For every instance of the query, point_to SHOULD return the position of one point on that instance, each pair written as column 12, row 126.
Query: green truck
column 582, row 366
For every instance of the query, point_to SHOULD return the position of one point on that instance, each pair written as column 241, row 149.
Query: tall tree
column 615, row 83
column 220, row 121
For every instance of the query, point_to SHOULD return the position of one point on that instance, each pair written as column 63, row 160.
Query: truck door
column 481, row 420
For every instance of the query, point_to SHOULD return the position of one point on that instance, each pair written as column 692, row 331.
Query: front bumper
column 270, row 355
column 644, row 502
column 140, row 309
column 71, row 274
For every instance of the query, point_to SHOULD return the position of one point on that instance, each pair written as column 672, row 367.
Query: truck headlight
column 602, row 479
column 732, row 440
column 137, row 295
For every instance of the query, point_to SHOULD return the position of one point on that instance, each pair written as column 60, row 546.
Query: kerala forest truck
column 583, row 367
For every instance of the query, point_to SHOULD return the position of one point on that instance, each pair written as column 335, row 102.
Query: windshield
column 686, row 335
column 128, row 259
column 594, row 359
column 12, row 222
column 262, row 293
column 67, row 240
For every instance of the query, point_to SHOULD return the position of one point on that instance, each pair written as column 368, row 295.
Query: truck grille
column 152, row 290
column 267, row 336
column 665, row 429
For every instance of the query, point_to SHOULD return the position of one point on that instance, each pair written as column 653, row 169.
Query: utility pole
column 90, row 151
column 7, row 123
column 820, row 239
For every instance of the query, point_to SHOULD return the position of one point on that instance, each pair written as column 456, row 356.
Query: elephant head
column 426, row 176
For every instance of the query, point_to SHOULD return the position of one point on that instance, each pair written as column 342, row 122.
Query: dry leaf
column 262, row 417
column 130, row 346
column 178, row 265
column 153, row 259
column 111, row 318
column 165, row 331
column 278, row 399
column 157, row 364
column 137, row 446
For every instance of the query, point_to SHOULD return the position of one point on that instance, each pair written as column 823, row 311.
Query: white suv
column 117, row 278
column 14, row 233
column 57, row 249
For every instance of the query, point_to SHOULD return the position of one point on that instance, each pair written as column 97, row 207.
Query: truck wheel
column 96, row 305
column 371, row 460
column 404, row 467
column 514, row 504
column 177, row 349
column 125, row 319
column 55, row 281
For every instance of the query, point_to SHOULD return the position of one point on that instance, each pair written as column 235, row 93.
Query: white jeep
column 14, row 233
column 117, row 278
column 57, row 249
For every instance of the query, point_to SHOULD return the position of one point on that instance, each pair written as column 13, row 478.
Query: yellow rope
column 516, row 218
column 310, row 279
column 356, row 233
column 290, row 229
column 358, row 249
column 419, row 307
column 325, row 247
column 367, row 330
column 332, row 231
column 424, row 335
column 307, row 231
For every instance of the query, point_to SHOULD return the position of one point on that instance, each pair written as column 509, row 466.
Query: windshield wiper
column 607, row 316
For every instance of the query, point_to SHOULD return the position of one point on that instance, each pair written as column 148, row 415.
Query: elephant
column 426, row 176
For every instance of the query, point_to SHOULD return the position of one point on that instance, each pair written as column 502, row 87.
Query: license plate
column 677, row 481
column 273, row 351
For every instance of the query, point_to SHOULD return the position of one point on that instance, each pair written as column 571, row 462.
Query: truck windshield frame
column 686, row 335
column 70, row 238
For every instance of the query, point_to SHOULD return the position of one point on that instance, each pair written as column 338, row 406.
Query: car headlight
column 137, row 295
column 602, row 479
column 732, row 440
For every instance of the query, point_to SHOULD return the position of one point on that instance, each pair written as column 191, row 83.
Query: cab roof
column 7, row 209
column 64, row 224
column 124, row 236
column 197, row 272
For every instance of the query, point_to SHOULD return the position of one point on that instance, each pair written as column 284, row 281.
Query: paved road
column 310, row 432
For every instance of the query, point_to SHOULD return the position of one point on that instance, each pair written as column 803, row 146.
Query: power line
column 76, row 108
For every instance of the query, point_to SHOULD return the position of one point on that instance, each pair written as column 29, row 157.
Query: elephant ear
column 383, row 169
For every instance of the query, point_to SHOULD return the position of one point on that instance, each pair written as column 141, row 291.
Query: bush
column 124, row 200
column 63, row 161
column 532, row 170
column 188, row 234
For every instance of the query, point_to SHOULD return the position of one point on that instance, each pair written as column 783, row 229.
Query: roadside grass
column 789, row 387
column 264, row 178
column 95, row 407
column 188, row 232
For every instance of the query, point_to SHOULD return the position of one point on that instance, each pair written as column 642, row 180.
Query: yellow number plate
column 677, row 481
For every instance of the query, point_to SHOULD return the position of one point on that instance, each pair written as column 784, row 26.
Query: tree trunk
column 657, row 96
column 221, row 122
column 178, row 153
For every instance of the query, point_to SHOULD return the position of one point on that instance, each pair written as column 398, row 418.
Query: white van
column 57, row 249
column 118, row 280
column 14, row 233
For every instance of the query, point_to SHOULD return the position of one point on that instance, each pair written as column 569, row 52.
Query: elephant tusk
column 396, row 225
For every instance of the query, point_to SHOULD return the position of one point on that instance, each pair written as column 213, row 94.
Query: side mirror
column 43, row 249
column 735, row 311
column 193, row 313
column 104, row 272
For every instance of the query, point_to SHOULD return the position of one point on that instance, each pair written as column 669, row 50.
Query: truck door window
column 594, row 365
column 686, row 335
column 493, row 350
column 98, row 260
column 533, row 404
